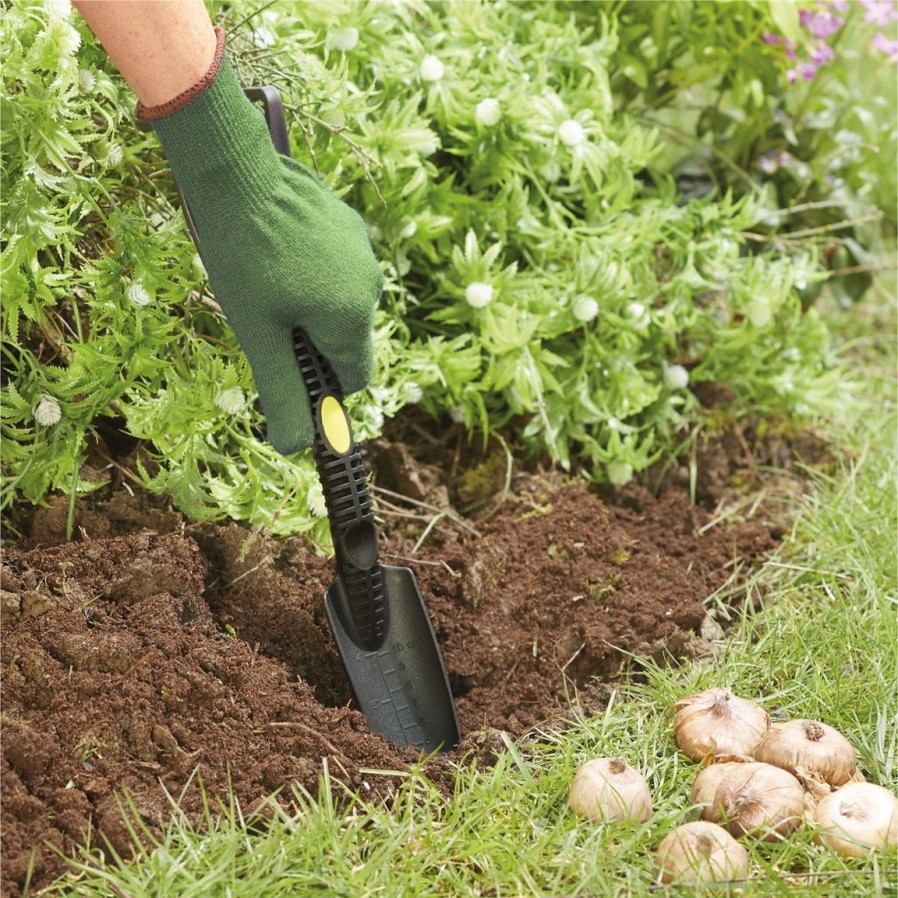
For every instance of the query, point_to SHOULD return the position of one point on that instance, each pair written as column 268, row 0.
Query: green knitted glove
column 280, row 249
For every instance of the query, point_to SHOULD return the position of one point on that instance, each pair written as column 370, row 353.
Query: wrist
column 150, row 113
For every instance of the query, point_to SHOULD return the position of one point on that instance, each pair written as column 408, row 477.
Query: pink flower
column 879, row 12
column 881, row 42
column 822, row 54
column 770, row 38
column 839, row 5
column 821, row 25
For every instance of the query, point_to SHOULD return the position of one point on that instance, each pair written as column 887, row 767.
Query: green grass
column 825, row 646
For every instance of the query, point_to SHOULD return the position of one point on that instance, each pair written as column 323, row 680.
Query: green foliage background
column 571, row 185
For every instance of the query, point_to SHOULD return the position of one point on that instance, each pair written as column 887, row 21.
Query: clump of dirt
column 141, row 662
column 560, row 586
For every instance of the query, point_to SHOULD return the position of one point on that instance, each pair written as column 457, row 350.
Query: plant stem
column 73, row 497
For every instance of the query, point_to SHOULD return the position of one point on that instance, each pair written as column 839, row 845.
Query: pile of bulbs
column 758, row 780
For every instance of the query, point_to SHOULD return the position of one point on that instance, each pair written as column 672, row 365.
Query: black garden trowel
column 377, row 614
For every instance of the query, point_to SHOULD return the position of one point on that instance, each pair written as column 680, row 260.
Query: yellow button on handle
column 335, row 425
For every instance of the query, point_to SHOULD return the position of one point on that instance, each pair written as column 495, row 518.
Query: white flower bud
column 343, row 39
column 571, row 133
column 676, row 377
column 431, row 69
column 58, row 9
column 488, row 113
column 409, row 229
column 69, row 40
column 231, row 401
column 315, row 500
column 114, row 155
column 620, row 473
column 264, row 37
column 551, row 172
column 585, row 308
column 47, row 411
column 413, row 393
column 638, row 314
column 457, row 414
column 87, row 80
column 377, row 417
column 479, row 294
column 137, row 293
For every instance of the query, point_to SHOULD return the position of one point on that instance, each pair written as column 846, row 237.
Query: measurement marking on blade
column 414, row 726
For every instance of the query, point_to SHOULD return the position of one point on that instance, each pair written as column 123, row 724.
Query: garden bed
column 152, row 655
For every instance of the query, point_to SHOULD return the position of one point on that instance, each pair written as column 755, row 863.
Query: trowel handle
column 345, row 489
column 336, row 454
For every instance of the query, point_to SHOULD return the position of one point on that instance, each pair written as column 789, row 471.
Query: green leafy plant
column 793, row 101
column 545, row 274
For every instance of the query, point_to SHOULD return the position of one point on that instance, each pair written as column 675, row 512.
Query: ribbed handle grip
column 346, row 496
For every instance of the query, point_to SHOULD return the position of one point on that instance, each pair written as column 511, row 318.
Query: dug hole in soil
column 151, row 655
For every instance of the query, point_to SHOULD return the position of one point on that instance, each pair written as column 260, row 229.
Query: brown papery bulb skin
column 609, row 789
column 705, row 786
column 858, row 818
column 717, row 722
column 701, row 852
column 758, row 800
column 810, row 747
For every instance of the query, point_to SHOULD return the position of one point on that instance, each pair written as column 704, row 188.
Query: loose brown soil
column 151, row 654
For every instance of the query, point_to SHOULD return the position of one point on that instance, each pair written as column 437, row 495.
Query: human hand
column 281, row 251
